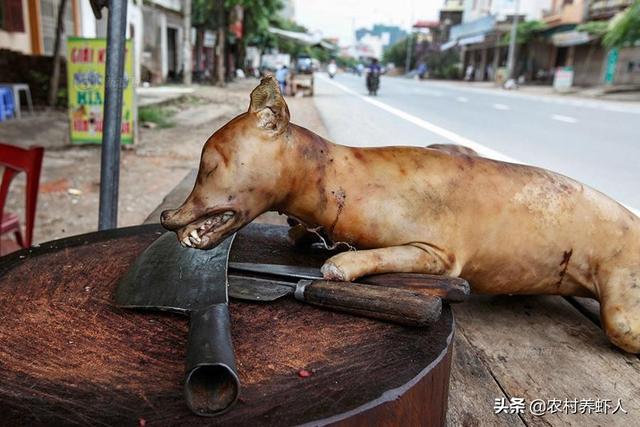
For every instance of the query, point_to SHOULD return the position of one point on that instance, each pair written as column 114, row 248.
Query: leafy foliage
column 595, row 28
column 443, row 65
column 525, row 31
column 626, row 29
column 397, row 53
column 259, row 15
column 161, row 116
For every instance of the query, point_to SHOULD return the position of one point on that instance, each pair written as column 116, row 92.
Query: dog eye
column 212, row 170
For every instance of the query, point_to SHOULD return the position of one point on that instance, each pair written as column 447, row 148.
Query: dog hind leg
column 410, row 258
column 620, row 309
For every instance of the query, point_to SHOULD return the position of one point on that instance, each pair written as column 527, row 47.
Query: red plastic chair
column 16, row 160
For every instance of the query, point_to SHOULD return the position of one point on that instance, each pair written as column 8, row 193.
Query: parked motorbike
column 373, row 82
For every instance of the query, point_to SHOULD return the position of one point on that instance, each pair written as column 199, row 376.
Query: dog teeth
column 186, row 241
column 193, row 236
column 208, row 222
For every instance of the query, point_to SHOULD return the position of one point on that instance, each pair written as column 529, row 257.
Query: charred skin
column 506, row 228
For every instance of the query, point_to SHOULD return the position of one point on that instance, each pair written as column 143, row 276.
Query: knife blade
column 450, row 289
column 391, row 304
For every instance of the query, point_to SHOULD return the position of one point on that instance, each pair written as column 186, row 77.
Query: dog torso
column 506, row 228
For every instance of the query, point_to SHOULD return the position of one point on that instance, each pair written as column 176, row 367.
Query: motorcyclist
column 373, row 76
column 332, row 68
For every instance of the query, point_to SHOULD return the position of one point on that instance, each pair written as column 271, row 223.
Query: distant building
column 503, row 9
column 450, row 15
column 156, row 27
column 29, row 26
column 583, row 53
column 391, row 34
column 480, row 35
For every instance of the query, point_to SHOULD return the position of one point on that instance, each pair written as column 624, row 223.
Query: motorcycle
column 332, row 69
column 373, row 82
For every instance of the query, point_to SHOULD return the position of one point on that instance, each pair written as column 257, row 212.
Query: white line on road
column 462, row 99
column 565, row 119
column 613, row 106
column 429, row 92
column 445, row 133
column 501, row 107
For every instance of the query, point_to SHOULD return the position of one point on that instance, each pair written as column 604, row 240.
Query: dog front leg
column 410, row 258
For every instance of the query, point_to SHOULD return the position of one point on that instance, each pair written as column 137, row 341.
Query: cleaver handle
column 211, row 384
column 406, row 307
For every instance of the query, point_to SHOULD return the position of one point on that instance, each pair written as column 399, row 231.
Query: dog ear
column 268, row 104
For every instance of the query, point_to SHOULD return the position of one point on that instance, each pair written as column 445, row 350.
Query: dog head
column 240, row 172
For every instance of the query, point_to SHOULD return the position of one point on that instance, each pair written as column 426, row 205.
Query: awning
column 471, row 40
column 570, row 38
column 448, row 45
column 304, row 38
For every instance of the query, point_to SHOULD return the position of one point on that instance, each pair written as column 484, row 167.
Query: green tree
column 397, row 53
column 259, row 15
column 625, row 29
column 594, row 28
column 525, row 31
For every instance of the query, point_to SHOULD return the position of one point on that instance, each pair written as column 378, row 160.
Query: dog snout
column 167, row 219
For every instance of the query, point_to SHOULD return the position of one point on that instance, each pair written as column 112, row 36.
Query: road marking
column 613, row 106
column 565, row 119
column 462, row 99
column 429, row 92
column 433, row 128
column 501, row 107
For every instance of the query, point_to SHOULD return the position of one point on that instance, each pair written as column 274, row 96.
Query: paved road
column 596, row 142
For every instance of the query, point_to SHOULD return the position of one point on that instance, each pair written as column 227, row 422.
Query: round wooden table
column 68, row 356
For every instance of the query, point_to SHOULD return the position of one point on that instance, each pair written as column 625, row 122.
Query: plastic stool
column 6, row 104
column 16, row 88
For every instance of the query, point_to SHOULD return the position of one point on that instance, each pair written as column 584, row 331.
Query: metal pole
column 407, row 61
column 187, row 49
column 512, row 41
column 114, row 84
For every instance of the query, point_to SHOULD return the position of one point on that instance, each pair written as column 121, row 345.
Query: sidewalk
column 161, row 94
column 150, row 169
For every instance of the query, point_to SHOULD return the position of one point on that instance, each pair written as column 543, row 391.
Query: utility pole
column 220, row 44
column 512, row 41
column 186, row 45
column 55, row 75
column 407, row 61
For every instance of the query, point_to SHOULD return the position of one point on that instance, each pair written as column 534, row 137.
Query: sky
column 340, row 18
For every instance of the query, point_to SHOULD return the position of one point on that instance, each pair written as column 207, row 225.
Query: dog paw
column 330, row 271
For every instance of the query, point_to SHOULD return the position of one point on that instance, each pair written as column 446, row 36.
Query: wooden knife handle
column 450, row 289
column 402, row 306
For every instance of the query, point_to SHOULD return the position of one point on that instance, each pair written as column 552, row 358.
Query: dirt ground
column 157, row 162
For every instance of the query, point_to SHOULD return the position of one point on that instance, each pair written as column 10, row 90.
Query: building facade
column 156, row 27
column 481, row 37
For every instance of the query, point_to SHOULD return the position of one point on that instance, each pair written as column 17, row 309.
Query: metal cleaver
column 171, row 278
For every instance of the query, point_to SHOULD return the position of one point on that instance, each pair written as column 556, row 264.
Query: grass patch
column 161, row 116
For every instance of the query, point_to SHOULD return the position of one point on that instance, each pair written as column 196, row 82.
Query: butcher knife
column 396, row 298
column 450, row 289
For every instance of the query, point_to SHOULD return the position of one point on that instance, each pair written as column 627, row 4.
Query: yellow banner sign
column 86, row 60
